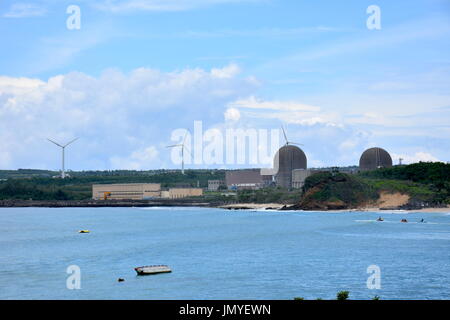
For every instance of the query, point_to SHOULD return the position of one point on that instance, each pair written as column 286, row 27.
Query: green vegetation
column 39, row 184
column 422, row 172
column 21, row 189
column 268, row 195
column 425, row 181
column 427, row 184
column 329, row 190
column 342, row 295
column 339, row 187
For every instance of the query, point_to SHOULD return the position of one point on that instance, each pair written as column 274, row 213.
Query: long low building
column 244, row 179
column 178, row 193
column 126, row 191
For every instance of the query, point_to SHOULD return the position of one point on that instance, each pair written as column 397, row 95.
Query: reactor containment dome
column 287, row 159
column 375, row 158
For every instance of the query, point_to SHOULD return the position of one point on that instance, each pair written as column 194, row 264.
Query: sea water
column 222, row 254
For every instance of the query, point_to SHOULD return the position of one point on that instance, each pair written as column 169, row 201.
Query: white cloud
column 125, row 120
column 414, row 158
column 139, row 160
column 232, row 114
column 285, row 111
column 116, row 115
column 254, row 103
column 25, row 10
column 229, row 71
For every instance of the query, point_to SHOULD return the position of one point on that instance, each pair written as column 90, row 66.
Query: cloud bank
column 125, row 120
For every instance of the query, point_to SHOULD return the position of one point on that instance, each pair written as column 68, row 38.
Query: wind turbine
column 287, row 141
column 183, row 146
column 63, row 148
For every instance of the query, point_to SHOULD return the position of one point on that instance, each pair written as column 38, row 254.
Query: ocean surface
column 221, row 254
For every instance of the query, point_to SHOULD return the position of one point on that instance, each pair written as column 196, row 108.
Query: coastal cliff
column 335, row 191
column 411, row 187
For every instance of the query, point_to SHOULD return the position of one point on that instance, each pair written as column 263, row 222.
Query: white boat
column 147, row 270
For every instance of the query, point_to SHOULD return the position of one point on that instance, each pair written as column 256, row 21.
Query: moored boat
column 148, row 270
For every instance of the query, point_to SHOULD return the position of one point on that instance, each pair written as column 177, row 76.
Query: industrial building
column 128, row 191
column 375, row 158
column 299, row 176
column 288, row 159
column 178, row 193
column 214, row 185
column 244, row 179
column 140, row 191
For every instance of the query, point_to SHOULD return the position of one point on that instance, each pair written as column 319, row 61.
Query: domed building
column 375, row 158
column 286, row 160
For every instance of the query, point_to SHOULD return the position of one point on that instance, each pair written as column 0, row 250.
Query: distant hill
column 425, row 184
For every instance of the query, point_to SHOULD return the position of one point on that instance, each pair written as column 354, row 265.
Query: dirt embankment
column 392, row 200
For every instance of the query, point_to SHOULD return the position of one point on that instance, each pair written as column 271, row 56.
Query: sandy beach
column 425, row 210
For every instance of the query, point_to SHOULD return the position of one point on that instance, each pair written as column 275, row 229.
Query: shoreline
column 192, row 203
column 102, row 203
column 278, row 206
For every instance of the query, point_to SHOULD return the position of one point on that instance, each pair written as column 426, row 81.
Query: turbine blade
column 55, row 143
column 174, row 146
column 298, row 144
column 188, row 151
column 185, row 136
column 285, row 136
column 71, row 142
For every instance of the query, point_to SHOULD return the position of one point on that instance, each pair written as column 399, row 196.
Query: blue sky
column 139, row 69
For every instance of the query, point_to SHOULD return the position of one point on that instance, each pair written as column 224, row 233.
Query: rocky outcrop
column 334, row 191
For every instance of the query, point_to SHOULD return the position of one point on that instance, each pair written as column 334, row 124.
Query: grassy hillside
column 328, row 191
column 425, row 181
column 427, row 184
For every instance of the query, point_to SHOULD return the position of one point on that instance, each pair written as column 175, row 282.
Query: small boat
column 147, row 270
column 84, row 231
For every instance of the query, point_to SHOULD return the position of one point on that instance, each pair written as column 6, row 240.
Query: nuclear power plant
column 290, row 169
column 375, row 158
column 288, row 159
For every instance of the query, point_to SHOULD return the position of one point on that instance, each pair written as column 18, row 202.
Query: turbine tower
column 63, row 148
column 183, row 146
column 287, row 141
